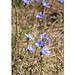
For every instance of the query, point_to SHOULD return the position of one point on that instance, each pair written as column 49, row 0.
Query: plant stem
column 28, row 63
column 56, row 9
column 28, row 56
column 16, row 44
column 41, row 62
column 43, row 11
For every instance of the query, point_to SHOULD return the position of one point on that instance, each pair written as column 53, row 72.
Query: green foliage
column 15, row 48
column 13, row 69
column 28, row 29
column 62, row 65
column 12, row 56
column 63, row 29
column 59, row 67
column 18, row 67
column 60, row 19
column 46, row 60
column 17, row 3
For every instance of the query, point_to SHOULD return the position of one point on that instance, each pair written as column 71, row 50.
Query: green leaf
column 18, row 67
column 59, row 67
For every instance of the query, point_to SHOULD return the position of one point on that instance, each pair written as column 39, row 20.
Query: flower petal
column 37, row 44
column 26, row 35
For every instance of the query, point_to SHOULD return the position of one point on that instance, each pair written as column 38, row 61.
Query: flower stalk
column 41, row 62
column 56, row 9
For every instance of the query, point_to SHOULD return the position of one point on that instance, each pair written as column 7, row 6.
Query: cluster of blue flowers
column 44, row 3
column 44, row 38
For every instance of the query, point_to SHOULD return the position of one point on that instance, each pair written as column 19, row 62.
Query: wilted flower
column 30, row 36
column 61, row 1
column 27, row 1
column 30, row 48
column 39, row 43
column 44, row 51
column 35, row 0
column 39, row 15
column 44, row 3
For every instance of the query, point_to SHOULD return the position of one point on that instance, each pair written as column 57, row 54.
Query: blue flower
column 30, row 48
column 61, row 1
column 30, row 36
column 27, row 1
column 39, row 43
column 35, row 0
column 43, row 36
column 47, row 40
column 44, row 51
column 39, row 15
column 45, row 4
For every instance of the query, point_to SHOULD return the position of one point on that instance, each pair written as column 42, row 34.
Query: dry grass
column 27, row 22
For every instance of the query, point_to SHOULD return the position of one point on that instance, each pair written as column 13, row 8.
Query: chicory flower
column 30, row 36
column 39, row 15
column 39, row 43
column 44, row 51
column 44, row 3
column 27, row 1
column 30, row 48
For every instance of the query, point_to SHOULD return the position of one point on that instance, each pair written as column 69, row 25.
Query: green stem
column 17, row 31
column 28, row 63
column 35, row 50
column 28, row 56
column 16, row 44
column 41, row 63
